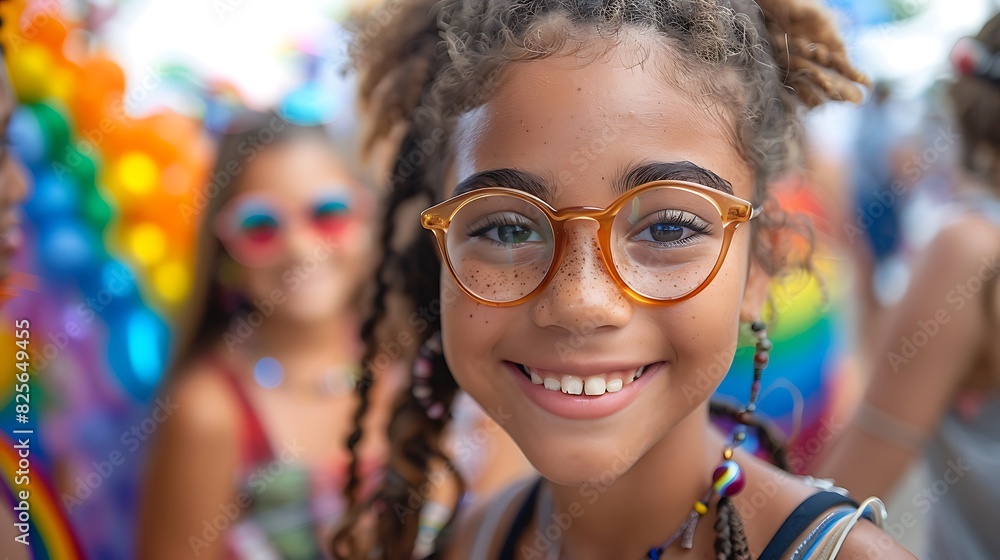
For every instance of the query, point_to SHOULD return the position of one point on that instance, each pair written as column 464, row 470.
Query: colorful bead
column 744, row 417
column 728, row 479
column 765, row 344
column 761, row 358
column 422, row 391
column 422, row 368
column 728, row 453
column 435, row 411
column 757, row 326
column 701, row 507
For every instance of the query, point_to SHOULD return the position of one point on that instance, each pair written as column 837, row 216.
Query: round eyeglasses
column 662, row 242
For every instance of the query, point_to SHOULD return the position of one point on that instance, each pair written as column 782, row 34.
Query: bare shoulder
column 768, row 499
column 868, row 542
column 967, row 245
column 203, row 404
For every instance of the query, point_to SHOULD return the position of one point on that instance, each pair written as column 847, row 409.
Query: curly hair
column 423, row 63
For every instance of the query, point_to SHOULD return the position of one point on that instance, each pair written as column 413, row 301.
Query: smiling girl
column 596, row 182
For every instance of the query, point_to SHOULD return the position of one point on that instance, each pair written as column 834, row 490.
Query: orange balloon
column 92, row 108
column 39, row 24
column 106, row 73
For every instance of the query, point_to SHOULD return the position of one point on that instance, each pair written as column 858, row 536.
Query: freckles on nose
column 583, row 275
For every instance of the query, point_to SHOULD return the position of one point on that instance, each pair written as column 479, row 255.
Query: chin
column 311, row 309
column 584, row 465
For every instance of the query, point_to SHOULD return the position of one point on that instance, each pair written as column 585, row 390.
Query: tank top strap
column 256, row 446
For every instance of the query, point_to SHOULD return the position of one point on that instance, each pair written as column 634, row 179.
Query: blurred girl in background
column 936, row 387
column 252, row 462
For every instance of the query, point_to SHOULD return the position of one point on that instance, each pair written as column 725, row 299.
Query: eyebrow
column 632, row 177
column 670, row 171
column 506, row 177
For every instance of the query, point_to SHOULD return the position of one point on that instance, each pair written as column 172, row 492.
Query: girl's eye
column 505, row 229
column 259, row 228
column 331, row 208
column 331, row 213
column 672, row 227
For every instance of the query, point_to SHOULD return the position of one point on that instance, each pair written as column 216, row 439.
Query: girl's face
column 298, row 227
column 579, row 128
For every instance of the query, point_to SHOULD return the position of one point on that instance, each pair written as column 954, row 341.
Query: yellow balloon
column 147, row 243
column 172, row 281
column 137, row 173
column 61, row 84
column 30, row 69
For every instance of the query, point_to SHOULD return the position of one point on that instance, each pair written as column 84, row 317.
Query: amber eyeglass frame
column 733, row 211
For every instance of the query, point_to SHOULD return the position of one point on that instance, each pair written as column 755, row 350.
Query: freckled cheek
column 470, row 331
column 704, row 330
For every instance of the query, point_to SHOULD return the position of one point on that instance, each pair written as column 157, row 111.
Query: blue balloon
column 26, row 137
column 66, row 248
column 53, row 198
column 110, row 285
column 138, row 349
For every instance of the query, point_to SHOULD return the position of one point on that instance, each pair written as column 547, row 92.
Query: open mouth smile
column 593, row 385
column 580, row 395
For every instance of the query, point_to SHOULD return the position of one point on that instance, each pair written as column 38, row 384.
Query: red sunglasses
column 254, row 227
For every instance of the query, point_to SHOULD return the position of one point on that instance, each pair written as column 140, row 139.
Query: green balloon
column 82, row 167
column 95, row 210
column 55, row 129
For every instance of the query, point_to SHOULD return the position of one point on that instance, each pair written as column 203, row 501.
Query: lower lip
column 582, row 407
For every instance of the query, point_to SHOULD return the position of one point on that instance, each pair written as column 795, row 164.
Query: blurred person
column 13, row 189
column 935, row 392
column 251, row 464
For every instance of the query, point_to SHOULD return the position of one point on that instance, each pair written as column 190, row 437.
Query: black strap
column 520, row 522
column 800, row 519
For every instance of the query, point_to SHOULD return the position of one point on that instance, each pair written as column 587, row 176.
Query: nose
column 302, row 241
column 582, row 295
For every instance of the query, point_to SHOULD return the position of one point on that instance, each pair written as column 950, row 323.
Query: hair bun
column 970, row 57
column 809, row 50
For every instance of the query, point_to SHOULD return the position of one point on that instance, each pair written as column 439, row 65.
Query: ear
column 755, row 293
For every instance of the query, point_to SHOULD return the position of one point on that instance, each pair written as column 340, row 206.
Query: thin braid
column 368, row 336
column 731, row 539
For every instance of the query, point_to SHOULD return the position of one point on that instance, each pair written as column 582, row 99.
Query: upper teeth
column 591, row 385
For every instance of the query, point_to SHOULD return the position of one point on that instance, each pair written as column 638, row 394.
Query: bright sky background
column 243, row 41
column 247, row 41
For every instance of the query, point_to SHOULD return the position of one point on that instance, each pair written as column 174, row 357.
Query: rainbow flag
column 49, row 534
